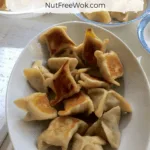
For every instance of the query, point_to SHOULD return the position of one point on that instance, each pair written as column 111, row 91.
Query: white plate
column 23, row 14
column 29, row 14
column 132, row 17
column 135, row 128
column 23, row 8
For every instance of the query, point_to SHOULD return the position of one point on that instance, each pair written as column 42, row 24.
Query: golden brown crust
column 56, row 39
column 64, row 84
column 114, row 65
column 91, row 44
column 2, row 4
column 79, row 103
column 37, row 106
column 110, row 66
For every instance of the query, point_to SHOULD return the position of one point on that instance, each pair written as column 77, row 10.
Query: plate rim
column 60, row 24
column 140, row 31
column 23, row 14
column 82, row 18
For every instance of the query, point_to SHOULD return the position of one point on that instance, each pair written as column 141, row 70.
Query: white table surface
column 16, row 33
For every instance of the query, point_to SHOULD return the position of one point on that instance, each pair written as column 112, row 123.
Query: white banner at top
column 71, row 6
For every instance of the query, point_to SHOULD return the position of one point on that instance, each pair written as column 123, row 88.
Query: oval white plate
column 135, row 128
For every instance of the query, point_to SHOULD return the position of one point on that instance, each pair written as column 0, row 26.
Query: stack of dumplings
column 108, row 17
column 80, row 78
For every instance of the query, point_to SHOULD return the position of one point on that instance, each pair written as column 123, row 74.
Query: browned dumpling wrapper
column 87, row 142
column 55, row 63
column 2, row 4
column 63, row 84
column 91, row 44
column 120, row 16
column 35, row 79
column 110, row 66
column 56, row 39
column 89, row 82
column 60, row 44
column 37, row 106
column 37, row 76
column 79, row 50
column 79, row 103
column 104, row 100
column 99, row 16
column 60, row 132
column 108, row 127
